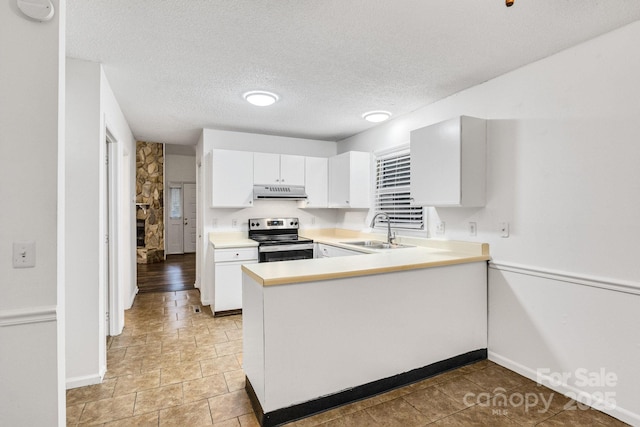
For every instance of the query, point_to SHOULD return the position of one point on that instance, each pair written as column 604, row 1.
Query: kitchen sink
column 376, row 244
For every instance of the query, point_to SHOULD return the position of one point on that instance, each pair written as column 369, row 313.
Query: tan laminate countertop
column 231, row 240
column 427, row 253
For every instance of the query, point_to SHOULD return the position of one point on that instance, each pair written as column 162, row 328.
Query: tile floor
column 172, row 366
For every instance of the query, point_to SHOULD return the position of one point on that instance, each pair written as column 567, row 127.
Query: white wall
column 563, row 171
column 221, row 219
column 125, row 223
column 226, row 140
column 32, row 189
column 85, row 360
column 91, row 109
column 179, row 168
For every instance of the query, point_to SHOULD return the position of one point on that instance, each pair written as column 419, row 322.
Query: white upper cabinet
column 448, row 163
column 278, row 169
column 231, row 179
column 266, row 168
column 350, row 180
column 316, row 182
column 292, row 170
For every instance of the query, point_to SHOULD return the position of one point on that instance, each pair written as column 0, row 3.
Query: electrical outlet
column 234, row 223
column 313, row 220
column 440, row 227
column 473, row 229
column 504, row 229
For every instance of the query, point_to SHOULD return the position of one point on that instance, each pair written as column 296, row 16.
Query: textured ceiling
column 179, row 66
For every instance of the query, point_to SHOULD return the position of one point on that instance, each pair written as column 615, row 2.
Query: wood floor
column 176, row 273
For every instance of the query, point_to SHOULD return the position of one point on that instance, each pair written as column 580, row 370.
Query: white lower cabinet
column 228, row 276
column 328, row 251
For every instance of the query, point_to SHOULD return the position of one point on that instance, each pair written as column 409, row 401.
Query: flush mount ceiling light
column 376, row 116
column 260, row 98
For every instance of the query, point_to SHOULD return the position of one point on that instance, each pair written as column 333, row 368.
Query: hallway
column 176, row 273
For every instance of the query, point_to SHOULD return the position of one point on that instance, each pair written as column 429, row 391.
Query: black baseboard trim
column 227, row 312
column 302, row 410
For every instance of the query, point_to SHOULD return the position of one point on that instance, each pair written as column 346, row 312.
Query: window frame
column 414, row 215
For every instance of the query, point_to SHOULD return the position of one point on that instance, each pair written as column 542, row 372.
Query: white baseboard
column 133, row 297
column 582, row 396
column 83, row 381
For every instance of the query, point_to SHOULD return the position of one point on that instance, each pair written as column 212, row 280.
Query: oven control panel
column 273, row 223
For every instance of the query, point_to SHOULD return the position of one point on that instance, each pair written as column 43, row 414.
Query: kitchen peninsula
column 319, row 333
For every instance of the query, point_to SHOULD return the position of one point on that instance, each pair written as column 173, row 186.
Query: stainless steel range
column 278, row 239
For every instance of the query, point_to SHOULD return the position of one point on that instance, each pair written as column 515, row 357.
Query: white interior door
column 189, row 231
column 175, row 229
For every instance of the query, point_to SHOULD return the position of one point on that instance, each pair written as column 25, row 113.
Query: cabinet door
column 316, row 182
column 266, row 168
column 435, row 164
column 292, row 170
column 359, row 180
column 231, row 179
column 339, row 181
column 328, row 251
column 325, row 251
column 228, row 286
column 335, row 251
column 448, row 163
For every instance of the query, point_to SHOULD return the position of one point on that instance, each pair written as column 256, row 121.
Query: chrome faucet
column 373, row 224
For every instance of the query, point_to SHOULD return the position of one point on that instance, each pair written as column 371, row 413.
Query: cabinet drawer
column 239, row 254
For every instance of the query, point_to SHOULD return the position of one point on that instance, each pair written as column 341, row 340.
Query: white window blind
column 393, row 191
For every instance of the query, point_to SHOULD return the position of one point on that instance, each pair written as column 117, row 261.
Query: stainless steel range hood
column 279, row 192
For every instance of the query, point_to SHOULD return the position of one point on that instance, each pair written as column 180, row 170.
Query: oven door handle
column 281, row 248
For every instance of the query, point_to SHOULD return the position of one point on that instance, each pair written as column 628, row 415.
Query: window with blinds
column 393, row 191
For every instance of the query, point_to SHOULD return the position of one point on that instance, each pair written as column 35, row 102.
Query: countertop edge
column 254, row 276
column 235, row 244
column 365, row 272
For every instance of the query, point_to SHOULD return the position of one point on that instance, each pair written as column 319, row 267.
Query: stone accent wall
column 149, row 192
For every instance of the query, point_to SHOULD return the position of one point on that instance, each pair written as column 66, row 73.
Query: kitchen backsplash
column 237, row 219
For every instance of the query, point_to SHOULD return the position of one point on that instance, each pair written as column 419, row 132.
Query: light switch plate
column 24, row 254
column 504, row 229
